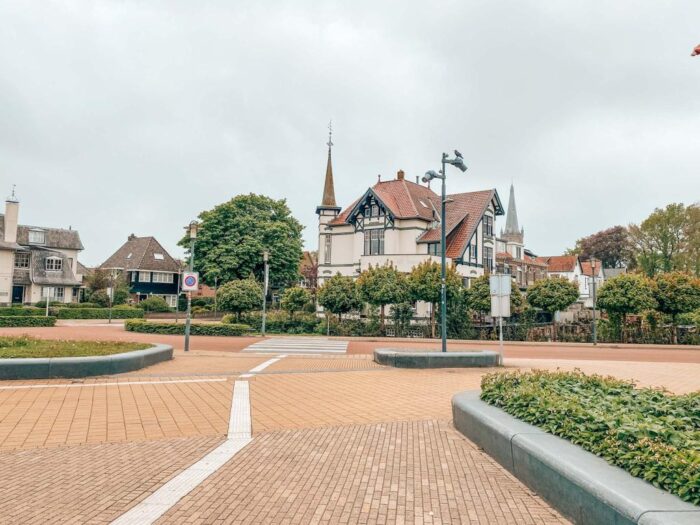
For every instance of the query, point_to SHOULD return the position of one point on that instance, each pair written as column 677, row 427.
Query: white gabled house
column 398, row 222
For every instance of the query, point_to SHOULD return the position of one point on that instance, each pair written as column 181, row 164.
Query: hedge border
column 69, row 367
column 26, row 321
column 582, row 486
column 209, row 329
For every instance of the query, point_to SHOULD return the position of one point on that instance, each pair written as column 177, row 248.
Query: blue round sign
column 190, row 281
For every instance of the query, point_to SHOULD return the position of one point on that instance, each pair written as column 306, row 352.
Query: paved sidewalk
column 336, row 439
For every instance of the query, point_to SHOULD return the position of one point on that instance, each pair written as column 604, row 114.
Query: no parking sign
column 190, row 281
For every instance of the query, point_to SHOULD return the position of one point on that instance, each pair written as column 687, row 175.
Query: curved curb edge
column 404, row 359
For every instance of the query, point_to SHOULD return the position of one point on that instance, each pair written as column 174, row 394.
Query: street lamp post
column 457, row 161
column 266, row 259
column 192, row 230
column 111, row 295
column 595, row 333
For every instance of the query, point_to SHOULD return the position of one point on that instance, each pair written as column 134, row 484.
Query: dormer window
column 54, row 264
column 37, row 237
column 129, row 256
column 158, row 256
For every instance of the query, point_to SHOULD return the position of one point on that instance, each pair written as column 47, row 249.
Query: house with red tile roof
column 584, row 273
column 398, row 222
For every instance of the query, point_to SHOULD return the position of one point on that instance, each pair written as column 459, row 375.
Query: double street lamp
column 191, row 229
column 458, row 162
column 593, row 283
column 266, row 262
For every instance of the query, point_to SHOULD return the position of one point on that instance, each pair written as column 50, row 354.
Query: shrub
column 277, row 322
column 42, row 304
column 240, row 296
column 30, row 320
column 100, row 298
column 653, row 435
column 154, row 304
column 217, row 329
column 14, row 310
column 80, row 305
column 118, row 312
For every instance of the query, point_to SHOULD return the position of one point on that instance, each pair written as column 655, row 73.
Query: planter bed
column 415, row 359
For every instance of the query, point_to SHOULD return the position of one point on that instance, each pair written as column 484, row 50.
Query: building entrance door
column 18, row 294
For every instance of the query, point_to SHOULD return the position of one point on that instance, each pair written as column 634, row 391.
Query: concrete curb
column 583, row 487
column 46, row 368
column 410, row 359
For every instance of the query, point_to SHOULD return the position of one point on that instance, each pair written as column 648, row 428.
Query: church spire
column 512, row 216
column 328, row 201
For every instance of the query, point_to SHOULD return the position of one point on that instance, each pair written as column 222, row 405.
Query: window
column 54, row 264
column 158, row 256
column 76, row 291
column 161, row 277
column 144, row 277
column 488, row 258
column 129, row 256
column 134, row 277
column 434, row 248
column 374, row 242
column 21, row 260
column 37, row 237
column 57, row 293
column 327, row 249
column 70, row 262
column 518, row 253
column 488, row 226
column 373, row 211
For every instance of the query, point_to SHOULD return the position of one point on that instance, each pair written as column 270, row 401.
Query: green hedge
column 21, row 311
column 29, row 320
column 219, row 329
column 98, row 313
column 651, row 434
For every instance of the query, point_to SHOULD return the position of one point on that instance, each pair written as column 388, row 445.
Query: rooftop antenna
column 330, row 134
column 13, row 197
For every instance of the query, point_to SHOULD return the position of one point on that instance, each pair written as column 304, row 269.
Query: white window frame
column 24, row 255
column 37, row 237
column 53, row 264
column 144, row 277
column 327, row 246
column 162, row 277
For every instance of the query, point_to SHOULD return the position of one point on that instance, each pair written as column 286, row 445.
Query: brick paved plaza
column 333, row 438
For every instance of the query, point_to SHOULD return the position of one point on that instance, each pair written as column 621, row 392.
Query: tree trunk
column 554, row 329
column 674, row 330
column 432, row 319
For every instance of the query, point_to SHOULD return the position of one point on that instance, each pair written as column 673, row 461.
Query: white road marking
column 87, row 385
column 262, row 366
column 298, row 345
column 239, row 435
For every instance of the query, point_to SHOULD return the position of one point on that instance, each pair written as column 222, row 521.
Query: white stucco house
column 36, row 261
column 580, row 272
column 398, row 222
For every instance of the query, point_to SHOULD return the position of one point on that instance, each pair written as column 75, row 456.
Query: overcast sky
column 121, row 117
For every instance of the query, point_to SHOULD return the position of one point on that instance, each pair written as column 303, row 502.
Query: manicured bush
column 80, row 305
column 218, row 329
column 42, row 304
column 277, row 322
column 118, row 312
column 27, row 321
column 154, row 304
column 17, row 310
column 651, row 434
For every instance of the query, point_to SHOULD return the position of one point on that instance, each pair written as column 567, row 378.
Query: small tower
column 512, row 233
column 328, row 209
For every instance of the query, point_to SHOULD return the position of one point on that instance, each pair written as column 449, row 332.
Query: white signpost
column 500, row 304
column 190, row 281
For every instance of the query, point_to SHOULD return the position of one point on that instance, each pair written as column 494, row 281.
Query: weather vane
column 330, row 133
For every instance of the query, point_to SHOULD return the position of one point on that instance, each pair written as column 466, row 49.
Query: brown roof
column 587, row 268
column 560, row 263
column 408, row 200
column 308, row 260
column 58, row 238
column 139, row 253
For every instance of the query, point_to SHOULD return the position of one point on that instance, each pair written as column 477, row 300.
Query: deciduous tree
column 382, row 285
column 240, row 295
column 338, row 295
column 233, row 236
column 552, row 295
column 424, row 284
column 677, row 293
column 612, row 246
column 626, row 294
column 295, row 299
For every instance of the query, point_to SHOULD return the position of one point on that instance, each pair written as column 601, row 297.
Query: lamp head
column 430, row 175
column 459, row 162
column 192, row 229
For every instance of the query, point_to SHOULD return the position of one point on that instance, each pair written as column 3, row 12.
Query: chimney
column 400, row 175
column 417, row 179
column 11, row 218
column 131, row 237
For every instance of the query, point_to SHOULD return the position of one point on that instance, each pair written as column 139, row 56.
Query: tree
column 479, row 296
column 98, row 284
column 241, row 295
column 677, row 293
column 294, row 299
column 612, row 246
column 424, row 284
column 661, row 239
column 382, row 285
column 626, row 294
column 233, row 236
column 552, row 295
column 338, row 295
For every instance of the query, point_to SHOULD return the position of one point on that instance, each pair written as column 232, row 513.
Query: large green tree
column 382, row 285
column 552, row 295
column 233, row 236
column 677, row 293
column 338, row 295
column 626, row 294
column 240, row 295
column 612, row 246
column 424, row 284
column 661, row 240
column 294, row 299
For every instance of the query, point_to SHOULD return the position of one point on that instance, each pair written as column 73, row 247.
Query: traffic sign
column 190, row 281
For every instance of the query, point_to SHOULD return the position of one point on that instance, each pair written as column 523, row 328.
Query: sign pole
column 500, row 340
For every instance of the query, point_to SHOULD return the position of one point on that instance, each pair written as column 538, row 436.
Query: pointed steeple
column 512, row 216
column 328, row 201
